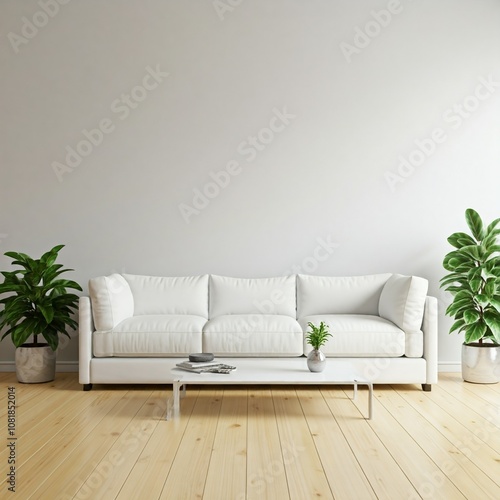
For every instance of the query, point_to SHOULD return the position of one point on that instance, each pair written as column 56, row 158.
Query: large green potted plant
column 37, row 303
column 317, row 337
column 474, row 282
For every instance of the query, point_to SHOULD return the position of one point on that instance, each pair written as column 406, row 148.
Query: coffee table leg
column 173, row 403
column 170, row 402
column 370, row 396
column 370, row 400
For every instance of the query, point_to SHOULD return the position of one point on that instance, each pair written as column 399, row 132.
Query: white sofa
column 384, row 324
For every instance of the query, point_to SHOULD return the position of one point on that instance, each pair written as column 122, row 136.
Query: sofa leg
column 427, row 387
column 87, row 387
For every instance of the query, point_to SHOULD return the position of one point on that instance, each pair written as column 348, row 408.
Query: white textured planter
column 481, row 363
column 35, row 364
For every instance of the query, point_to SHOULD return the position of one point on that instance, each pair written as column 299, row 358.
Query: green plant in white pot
column 474, row 282
column 317, row 338
column 37, row 304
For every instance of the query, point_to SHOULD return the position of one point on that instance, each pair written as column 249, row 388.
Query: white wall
column 358, row 104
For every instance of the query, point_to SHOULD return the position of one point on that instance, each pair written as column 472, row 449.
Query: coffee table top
column 272, row 371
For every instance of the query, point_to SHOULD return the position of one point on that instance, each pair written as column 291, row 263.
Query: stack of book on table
column 205, row 367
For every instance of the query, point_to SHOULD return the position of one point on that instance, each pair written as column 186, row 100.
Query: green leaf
column 475, row 284
column 453, row 278
column 459, row 306
column 474, row 332
column 456, row 261
column 490, row 288
column 465, row 267
column 471, row 317
column 493, row 249
column 482, row 299
column 464, row 294
column 475, row 224
column 454, row 290
column 491, row 240
column 22, row 332
column 52, row 339
column 495, row 303
column 491, row 271
column 49, row 257
column 458, row 325
column 48, row 312
column 458, row 240
column 476, row 272
column 17, row 256
column 492, row 226
column 492, row 319
column 473, row 251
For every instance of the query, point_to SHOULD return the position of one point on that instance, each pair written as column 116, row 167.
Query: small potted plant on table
column 317, row 337
column 37, row 303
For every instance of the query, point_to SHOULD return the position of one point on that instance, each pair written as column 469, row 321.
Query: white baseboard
column 61, row 366
column 7, row 366
column 450, row 367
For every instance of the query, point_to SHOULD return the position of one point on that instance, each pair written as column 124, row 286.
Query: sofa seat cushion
column 358, row 335
column 253, row 335
column 151, row 335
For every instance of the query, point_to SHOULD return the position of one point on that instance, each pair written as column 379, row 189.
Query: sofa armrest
column 430, row 330
column 85, row 339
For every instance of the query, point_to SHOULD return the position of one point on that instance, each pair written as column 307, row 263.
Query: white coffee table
column 267, row 371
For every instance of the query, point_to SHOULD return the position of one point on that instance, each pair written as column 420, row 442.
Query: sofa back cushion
column 156, row 295
column 252, row 296
column 112, row 301
column 402, row 301
column 339, row 295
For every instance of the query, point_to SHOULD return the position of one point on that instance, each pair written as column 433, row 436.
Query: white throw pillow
column 403, row 300
column 112, row 301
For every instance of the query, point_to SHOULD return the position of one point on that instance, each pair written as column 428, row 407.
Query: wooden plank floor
column 255, row 442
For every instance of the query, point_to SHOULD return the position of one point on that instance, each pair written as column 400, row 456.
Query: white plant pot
column 35, row 364
column 481, row 363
